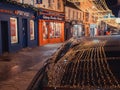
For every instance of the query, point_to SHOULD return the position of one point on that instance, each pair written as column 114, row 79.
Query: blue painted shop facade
column 18, row 28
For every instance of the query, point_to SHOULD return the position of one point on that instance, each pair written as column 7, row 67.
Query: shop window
column 77, row 16
column 69, row 13
column 32, row 31
column 58, row 30
column 45, row 30
column 52, row 29
column 50, row 3
column 87, row 17
column 80, row 18
column 55, row 30
column 58, row 4
column 14, row 30
column 77, row 30
column 73, row 14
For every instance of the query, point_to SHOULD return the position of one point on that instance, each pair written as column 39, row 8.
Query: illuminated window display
column 77, row 30
column 58, row 30
column 54, row 29
column 45, row 30
column 32, row 36
column 51, row 27
column 13, row 29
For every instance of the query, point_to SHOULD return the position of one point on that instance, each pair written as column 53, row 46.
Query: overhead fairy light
column 101, row 5
column 97, row 7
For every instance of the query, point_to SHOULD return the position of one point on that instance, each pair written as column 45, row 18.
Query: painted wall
column 6, row 17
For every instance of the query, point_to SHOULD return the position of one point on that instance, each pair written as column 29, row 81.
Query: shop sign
column 19, row 12
column 6, row 11
column 51, row 17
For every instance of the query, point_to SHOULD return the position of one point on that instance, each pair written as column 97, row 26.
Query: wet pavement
column 18, row 69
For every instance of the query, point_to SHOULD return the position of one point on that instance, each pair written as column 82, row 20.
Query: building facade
column 55, row 5
column 17, row 27
column 50, row 21
column 89, row 18
column 73, row 21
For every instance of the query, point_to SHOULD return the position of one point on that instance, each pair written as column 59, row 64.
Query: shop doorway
column 24, row 32
column 4, row 34
column 77, row 30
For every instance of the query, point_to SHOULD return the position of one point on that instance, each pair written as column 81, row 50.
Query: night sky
column 114, row 6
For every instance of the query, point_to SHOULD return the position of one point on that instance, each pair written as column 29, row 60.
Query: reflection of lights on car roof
column 96, row 41
column 65, row 60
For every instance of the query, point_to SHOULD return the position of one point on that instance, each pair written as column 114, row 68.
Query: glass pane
column 45, row 30
column 32, row 36
column 14, row 30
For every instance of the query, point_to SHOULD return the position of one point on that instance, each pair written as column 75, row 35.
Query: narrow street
column 18, row 69
column 59, row 44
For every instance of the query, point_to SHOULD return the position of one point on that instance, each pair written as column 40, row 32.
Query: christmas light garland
column 100, row 8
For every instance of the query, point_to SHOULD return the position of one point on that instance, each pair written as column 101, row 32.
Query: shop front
column 93, row 30
column 17, row 28
column 78, row 30
column 51, row 27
